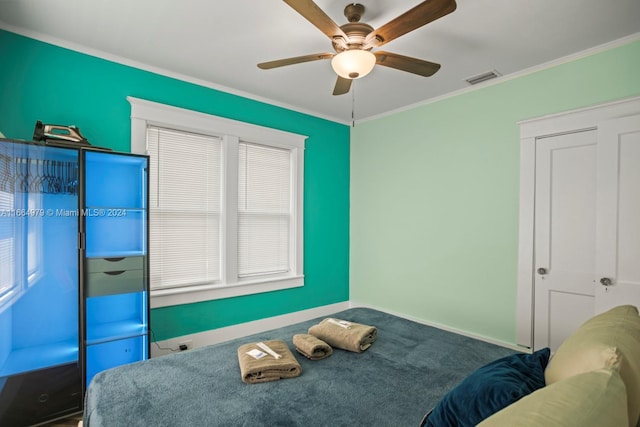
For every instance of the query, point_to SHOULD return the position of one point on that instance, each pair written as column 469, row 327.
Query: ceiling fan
column 354, row 41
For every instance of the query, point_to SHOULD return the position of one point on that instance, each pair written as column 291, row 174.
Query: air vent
column 483, row 77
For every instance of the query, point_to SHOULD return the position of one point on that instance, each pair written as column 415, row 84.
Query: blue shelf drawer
column 110, row 354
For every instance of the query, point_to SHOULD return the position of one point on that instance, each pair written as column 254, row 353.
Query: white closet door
column 565, row 222
column 618, row 208
column 579, row 219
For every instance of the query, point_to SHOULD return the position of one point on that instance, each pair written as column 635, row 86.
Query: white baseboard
column 214, row 336
column 511, row 346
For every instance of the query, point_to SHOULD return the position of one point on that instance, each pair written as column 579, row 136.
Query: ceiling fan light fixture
column 353, row 64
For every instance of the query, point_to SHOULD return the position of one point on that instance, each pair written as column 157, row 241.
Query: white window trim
column 145, row 113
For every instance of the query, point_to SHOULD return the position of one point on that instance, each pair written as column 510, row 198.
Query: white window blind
column 34, row 238
column 264, row 209
column 7, row 245
column 184, row 192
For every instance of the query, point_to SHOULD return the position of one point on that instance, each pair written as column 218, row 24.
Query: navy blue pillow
column 489, row 389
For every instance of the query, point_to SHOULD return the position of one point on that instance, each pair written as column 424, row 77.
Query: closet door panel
column 565, row 220
column 618, row 234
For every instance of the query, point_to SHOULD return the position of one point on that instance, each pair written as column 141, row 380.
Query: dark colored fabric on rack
column 26, row 175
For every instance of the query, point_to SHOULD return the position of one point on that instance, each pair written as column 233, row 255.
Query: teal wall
column 39, row 81
column 434, row 193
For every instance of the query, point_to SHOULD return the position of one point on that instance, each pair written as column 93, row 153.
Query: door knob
column 605, row 281
column 542, row 271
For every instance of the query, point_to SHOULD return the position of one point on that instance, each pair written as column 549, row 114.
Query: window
column 34, row 237
column 264, row 204
column 184, row 181
column 225, row 204
column 8, row 283
column 18, row 255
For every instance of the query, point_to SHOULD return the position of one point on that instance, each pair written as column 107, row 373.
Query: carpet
column 394, row 383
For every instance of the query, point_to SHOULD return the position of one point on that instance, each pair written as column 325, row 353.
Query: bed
column 393, row 383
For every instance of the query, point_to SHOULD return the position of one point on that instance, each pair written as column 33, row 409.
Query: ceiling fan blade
column 342, row 86
column 406, row 63
column 312, row 13
column 295, row 60
column 422, row 14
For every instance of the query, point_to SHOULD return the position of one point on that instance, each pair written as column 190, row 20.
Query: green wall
column 39, row 81
column 434, row 193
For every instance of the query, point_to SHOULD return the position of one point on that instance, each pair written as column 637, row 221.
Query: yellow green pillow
column 592, row 399
column 608, row 339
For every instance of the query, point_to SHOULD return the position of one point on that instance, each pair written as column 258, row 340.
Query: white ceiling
column 218, row 43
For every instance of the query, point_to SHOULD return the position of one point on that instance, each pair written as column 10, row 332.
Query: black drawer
column 38, row 396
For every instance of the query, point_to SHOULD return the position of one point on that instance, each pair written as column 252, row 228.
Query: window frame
column 147, row 113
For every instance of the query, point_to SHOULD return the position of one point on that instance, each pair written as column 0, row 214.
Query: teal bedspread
column 394, row 383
